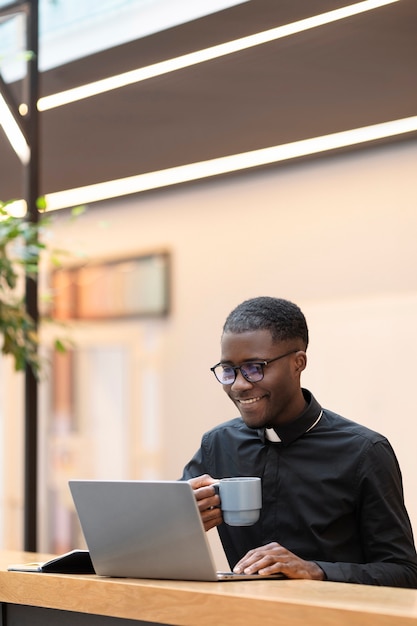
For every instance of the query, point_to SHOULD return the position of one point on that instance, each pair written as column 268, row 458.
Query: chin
column 254, row 424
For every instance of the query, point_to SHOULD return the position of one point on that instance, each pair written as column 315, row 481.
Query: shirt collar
column 287, row 433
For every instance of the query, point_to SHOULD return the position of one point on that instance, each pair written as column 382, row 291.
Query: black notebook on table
column 73, row 562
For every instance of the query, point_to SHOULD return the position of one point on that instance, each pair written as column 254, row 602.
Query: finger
column 268, row 564
column 253, row 557
column 211, row 518
column 203, row 488
column 201, row 481
column 269, row 547
column 295, row 568
column 207, row 499
column 265, row 567
column 252, row 566
column 244, row 564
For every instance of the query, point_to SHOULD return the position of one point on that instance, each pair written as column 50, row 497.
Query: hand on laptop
column 274, row 558
column 207, row 500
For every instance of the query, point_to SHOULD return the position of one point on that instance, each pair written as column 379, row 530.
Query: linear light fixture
column 13, row 133
column 16, row 208
column 227, row 164
column 200, row 56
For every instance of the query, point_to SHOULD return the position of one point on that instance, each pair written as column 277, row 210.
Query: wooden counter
column 286, row 602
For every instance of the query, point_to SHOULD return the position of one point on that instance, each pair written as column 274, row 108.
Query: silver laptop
column 145, row 529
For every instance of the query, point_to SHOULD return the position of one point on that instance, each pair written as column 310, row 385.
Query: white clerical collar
column 271, row 435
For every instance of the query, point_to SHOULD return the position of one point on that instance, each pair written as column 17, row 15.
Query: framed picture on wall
column 130, row 287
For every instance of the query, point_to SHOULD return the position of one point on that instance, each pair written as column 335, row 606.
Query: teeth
column 250, row 401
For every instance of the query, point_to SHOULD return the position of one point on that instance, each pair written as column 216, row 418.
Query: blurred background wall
column 336, row 235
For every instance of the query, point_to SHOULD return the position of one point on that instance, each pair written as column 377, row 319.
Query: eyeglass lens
column 253, row 372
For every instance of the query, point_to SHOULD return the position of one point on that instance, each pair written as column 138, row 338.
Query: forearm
column 384, row 574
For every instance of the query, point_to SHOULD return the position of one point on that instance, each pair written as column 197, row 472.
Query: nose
column 241, row 382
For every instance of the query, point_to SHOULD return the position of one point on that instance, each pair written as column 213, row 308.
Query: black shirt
column 332, row 493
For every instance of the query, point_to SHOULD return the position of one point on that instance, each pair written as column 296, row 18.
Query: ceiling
column 344, row 75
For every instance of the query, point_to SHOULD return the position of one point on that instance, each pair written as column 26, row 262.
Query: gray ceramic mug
column 240, row 500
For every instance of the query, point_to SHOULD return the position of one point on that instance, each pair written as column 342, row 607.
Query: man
column 333, row 506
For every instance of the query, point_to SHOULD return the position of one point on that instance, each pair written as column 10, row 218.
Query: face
column 277, row 398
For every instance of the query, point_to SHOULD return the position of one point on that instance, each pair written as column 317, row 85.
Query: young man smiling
column 333, row 506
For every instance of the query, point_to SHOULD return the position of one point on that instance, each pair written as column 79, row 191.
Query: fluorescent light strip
column 13, row 133
column 200, row 56
column 17, row 208
column 223, row 165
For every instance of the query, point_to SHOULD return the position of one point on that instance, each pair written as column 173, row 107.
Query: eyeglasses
column 252, row 372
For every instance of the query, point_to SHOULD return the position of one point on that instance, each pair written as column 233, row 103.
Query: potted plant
column 21, row 245
column 20, row 248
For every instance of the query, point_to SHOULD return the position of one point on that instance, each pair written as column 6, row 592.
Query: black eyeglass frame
column 262, row 364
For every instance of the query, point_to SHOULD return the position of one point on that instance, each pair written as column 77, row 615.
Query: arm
column 385, row 531
column 386, row 535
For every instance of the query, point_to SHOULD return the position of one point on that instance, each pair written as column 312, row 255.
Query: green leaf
column 41, row 203
column 78, row 210
column 59, row 346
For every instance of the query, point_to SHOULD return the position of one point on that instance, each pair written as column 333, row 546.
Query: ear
column 300, row 361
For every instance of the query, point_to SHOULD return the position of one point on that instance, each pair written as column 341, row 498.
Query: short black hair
column 282, row 318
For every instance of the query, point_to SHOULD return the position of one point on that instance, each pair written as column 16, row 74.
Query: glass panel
column 72, row 29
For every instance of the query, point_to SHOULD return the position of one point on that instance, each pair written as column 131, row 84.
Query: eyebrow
column 249, row 360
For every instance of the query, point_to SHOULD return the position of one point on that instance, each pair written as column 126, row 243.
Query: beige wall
column 336, row 235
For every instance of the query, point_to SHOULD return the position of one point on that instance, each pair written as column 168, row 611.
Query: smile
column 250, row 400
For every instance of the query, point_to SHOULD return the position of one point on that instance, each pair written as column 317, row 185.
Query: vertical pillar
column 31, row 193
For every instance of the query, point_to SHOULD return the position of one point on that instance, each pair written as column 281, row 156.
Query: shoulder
column 234, row 425
column 345, row 427
column 345, row 439
column 232, row 429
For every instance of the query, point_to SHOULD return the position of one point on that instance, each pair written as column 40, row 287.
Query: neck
column 294, row 408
